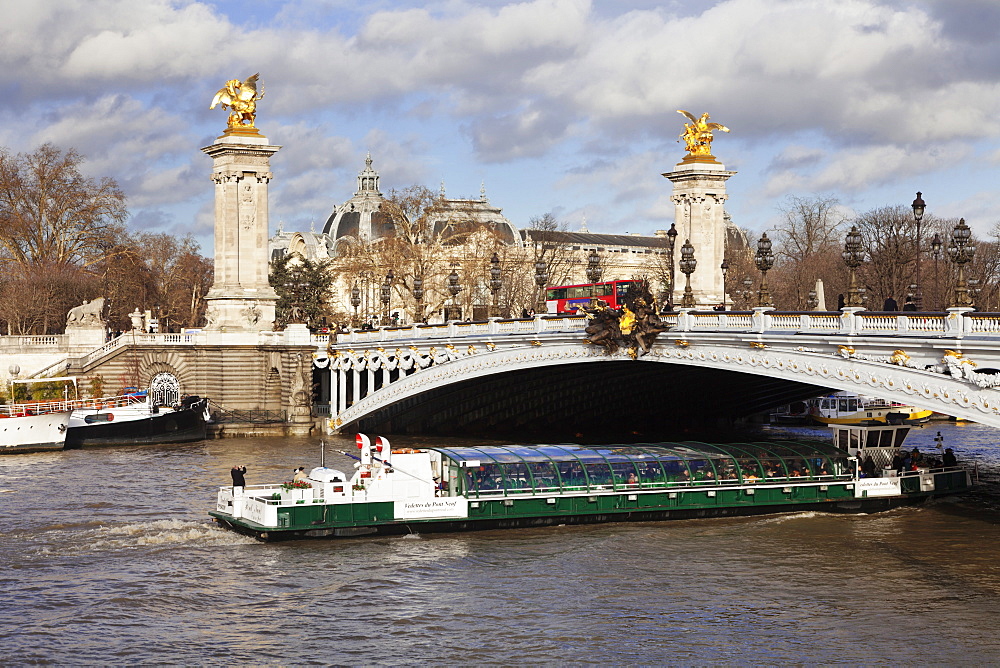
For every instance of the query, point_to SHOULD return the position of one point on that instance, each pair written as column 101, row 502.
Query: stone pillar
column 699, row 198
column 241, row 300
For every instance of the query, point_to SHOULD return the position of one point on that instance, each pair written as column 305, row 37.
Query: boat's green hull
column 358, row 519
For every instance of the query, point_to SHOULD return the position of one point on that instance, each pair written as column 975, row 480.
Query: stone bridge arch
column 570, row 388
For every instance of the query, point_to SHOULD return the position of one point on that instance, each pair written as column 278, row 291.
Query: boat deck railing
column 655, row 485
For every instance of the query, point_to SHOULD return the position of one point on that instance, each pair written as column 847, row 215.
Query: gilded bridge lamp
column 418, row 294
column 687, row 265
column 541, row 278
column 852, row 258
column 918, row 291
column 355, row 302
column 593, row 272
column 496, row 283
column 960, row 252
column 764, row 259
column 454, row 312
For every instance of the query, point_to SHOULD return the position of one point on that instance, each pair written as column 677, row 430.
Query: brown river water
column 108, row 556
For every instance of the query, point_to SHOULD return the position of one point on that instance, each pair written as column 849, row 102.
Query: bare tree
column 807, row 246
column 50, row 213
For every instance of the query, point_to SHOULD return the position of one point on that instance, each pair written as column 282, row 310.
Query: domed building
column 360, row 218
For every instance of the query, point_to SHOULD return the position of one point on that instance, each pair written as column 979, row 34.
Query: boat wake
column 780, row 519
column 166, row 533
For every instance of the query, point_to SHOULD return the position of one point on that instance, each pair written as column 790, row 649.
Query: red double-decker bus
column 565, row 299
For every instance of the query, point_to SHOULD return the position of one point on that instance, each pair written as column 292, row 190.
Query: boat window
column 701, row 470
column 488, row 479
column 599, row 474
column 826, row 403
column 774, row 467
column 852, row 405
column 901, row 435
column 544, row 475
column 572, row 474
column 625, row 474
column 844, row 406
column 516, row 477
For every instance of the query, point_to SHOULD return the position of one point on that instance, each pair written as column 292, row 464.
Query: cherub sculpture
column 697, row 134
column 241, row 97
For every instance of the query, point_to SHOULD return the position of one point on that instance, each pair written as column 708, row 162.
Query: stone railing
column 954, row 324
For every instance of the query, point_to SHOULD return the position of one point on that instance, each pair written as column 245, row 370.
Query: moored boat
column 33, row 427
column 134, row 419
column 467, row 488
column 850, row 409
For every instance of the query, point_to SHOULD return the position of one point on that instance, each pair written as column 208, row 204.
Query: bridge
column 539, row 375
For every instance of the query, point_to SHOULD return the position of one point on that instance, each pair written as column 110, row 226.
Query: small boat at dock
column 134, row 419
column 33, row 427
column 849, row 408
column 430, row 489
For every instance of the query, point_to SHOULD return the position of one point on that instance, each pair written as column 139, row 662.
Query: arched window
column 164, row 390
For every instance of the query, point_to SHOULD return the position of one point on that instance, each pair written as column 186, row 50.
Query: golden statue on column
column 241, row 97
column 698, row 137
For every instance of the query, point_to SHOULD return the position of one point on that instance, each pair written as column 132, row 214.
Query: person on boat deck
column 949, row 458
column 239, row 480
column 868, row 467
column 916, row 459
column 300, row 474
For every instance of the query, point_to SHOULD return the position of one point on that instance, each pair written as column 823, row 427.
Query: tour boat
column 132, row 419
column 850, row 408
column 33, row 427
column 461, row 488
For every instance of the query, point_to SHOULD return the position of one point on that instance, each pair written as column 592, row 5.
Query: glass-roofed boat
column 464, row 488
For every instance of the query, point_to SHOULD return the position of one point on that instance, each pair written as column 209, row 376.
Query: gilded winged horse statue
column 241, row 97
column 697, row 134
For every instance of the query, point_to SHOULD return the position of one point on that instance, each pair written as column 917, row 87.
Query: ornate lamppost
column 541, row 278
column 671, row 240
column 852, row 258
column 418, row 294
column 355, row 302
column 387, row 296
column 764, row 259
column 453, row 312
column 687, row 265
column 918, row 214
column 496, row 283
column 593, row 274
column 724, row 267
column 960, row 252
column 746, row 294
column 294, row 286
column 936, row 246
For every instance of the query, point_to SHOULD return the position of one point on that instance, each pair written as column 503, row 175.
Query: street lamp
column 387, row 296
column 852, row 258
column 936, row 250
column 418, row 294
column 960, row 251
column 671, row 240
column 454, row 312
column 294, row 286
column 541, row 278
column 764, row 259
column 746, row 294
column 355, row 302
column 593, row 274
column 496, row 283
column 918, row 214
column 725, row 271
column 687, row 266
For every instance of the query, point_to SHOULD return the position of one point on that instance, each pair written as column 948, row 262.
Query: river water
column 108, row 556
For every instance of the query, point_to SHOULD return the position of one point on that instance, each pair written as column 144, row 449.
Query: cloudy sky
column 562, row 106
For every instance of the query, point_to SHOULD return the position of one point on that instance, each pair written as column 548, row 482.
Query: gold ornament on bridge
column 899, row 358
column 241, row 97
column 698, row 137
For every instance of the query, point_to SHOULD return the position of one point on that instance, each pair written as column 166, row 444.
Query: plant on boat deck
column 295, row 484
column 360, row 487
